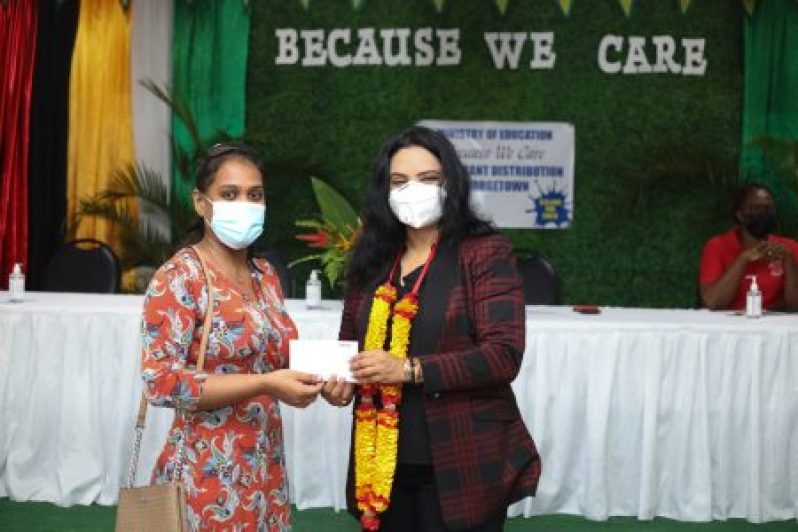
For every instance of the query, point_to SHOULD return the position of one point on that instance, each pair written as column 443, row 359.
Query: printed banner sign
column 522, row 173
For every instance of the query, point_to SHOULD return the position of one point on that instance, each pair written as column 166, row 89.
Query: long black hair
column 383, row 235
column 213, row 159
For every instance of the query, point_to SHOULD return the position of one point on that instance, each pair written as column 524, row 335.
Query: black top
column 414, row 446
column 414, row 442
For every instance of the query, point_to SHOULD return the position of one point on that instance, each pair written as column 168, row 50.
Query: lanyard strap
column 432, row 252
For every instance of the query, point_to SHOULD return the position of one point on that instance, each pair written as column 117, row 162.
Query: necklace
column 377, row 430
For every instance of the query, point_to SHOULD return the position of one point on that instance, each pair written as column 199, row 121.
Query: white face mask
column 417, row 204
column 237, row 224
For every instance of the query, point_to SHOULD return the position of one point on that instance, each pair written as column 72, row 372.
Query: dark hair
column 383, row 235
column 742, row 193
column 213, row 159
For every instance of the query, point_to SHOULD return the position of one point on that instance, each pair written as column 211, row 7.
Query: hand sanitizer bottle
column 753, row 300
column 313, row 290
column 16, row 284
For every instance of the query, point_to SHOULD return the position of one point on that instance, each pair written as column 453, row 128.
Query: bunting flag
column 627, row 6
column 565, row 5
column 750, row 6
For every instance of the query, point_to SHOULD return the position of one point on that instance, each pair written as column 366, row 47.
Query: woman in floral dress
column 226, row 442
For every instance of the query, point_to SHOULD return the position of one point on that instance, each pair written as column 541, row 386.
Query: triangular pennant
column 356, row 4
column 627, row 6
column 684, row 5
column 750, row 6
column 502, row 5
column 439, row 4
column 565, row 5
column 305, row 4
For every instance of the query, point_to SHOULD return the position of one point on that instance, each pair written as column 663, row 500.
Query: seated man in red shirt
column 748, row 249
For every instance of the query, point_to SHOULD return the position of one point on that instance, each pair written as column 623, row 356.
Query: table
column 684, row 414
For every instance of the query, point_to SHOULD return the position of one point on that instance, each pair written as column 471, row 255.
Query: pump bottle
column 16, row 284
column 753, row 299
column 313, row 290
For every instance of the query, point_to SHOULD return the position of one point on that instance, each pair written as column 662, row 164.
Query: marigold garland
column 377, row 431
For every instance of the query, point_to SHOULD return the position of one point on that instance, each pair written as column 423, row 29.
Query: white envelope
column 326, row 358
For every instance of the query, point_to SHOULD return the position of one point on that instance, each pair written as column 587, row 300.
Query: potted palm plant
column 149, row 239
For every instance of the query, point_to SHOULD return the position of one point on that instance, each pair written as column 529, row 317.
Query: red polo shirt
column 722, row 250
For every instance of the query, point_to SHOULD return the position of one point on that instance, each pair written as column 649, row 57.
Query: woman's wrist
column 266, row 383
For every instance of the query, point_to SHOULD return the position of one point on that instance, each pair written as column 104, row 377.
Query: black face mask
column 760, row 224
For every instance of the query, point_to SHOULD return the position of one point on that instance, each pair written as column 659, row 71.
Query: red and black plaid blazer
column 483, row 456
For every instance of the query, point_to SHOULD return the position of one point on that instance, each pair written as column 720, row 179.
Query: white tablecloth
column 684, row 414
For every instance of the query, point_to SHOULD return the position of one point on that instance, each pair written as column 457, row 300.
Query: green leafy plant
column 143, row 243
column 151, row 235
column 335, row 231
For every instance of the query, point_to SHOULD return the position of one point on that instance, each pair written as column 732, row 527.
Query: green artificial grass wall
column 655, row 154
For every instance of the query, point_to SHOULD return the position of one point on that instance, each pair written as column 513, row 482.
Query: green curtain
column 209, row 64
column 770, row 110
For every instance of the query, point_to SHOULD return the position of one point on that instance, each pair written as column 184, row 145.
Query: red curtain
column 17, row 54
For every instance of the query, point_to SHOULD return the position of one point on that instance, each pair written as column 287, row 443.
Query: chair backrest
column 541, row 282
column 84, row 265
column 280, row 265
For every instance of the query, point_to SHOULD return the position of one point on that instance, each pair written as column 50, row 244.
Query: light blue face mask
column 237, row 224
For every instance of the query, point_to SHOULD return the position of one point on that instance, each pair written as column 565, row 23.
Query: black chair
column 541, row 282
column 280, row 265
column 84, row 265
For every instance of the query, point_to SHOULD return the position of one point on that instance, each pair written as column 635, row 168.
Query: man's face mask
column 760, row 224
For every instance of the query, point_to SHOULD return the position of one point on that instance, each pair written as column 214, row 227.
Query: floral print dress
column 233, row 461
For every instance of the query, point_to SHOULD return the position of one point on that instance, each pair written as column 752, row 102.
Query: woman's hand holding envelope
column 337, row 391
column 377, row 366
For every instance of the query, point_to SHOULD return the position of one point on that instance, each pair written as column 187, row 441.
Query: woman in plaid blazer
column 464, row 453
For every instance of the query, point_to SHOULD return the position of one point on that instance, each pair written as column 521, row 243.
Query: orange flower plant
column 334, row 231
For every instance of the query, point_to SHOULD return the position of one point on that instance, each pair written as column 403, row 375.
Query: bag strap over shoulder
column 206, row 329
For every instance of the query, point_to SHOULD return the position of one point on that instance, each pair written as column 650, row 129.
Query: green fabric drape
column 770, row 110
column 209, row 63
